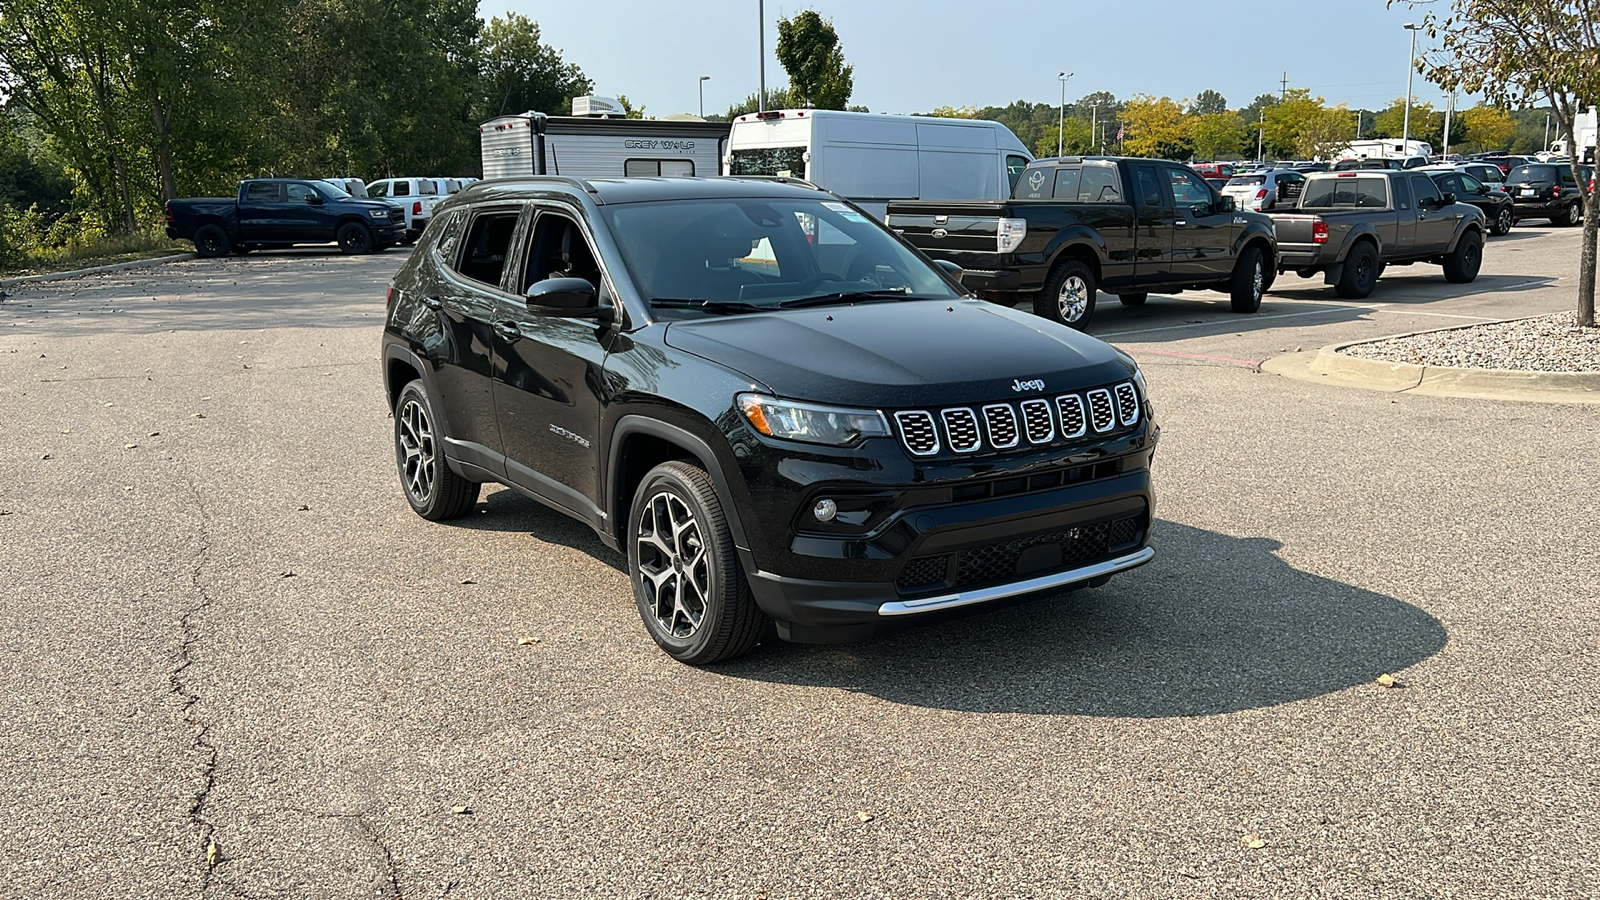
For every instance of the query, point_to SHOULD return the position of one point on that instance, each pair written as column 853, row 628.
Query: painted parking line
column 1216, row 323
column 1247, row 363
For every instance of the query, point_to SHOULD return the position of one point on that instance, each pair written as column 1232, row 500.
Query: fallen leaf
column 286, row 574
column 205, row 398
column 46, row 456
column 1386, row 680
column 213, row 853
column 521, row 642
column 129, row 446
column 461, row 810
column 864, row 816
column 111, row 404
column 1252, row 841
column 198, row 416
column 5, row 512
column 468, row 581
column 155, row 434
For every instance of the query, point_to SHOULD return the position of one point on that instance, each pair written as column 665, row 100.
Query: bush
column 31, row 239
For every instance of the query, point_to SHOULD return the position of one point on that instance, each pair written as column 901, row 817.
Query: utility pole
column 761, row 42
column 1094, row 122
column 1261, row 133
column 1283, row 92
column 1449, row 109
column 703, row 80
column 1411, row 69
column 1547, row 131
column 1061, row 124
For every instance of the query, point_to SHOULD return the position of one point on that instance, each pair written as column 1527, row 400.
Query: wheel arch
column 638, row 444
column 1364, row 235
column 1082, row 249
column 1467, row 226
column 400, row 368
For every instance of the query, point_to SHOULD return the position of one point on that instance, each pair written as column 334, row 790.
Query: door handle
column 1180, row 223
column 508, row 330
column 432, row 302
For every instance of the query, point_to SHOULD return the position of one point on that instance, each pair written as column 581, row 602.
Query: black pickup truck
column 282, row 212
column 1350, row 225
column 1076, row 225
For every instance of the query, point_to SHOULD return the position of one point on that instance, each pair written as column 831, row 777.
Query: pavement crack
column 391, row 875
column 211, row 854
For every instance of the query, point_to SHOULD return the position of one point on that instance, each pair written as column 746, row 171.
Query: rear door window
column 1424, row 189
column 1067, row 183
column 1099, row 184
column 264, row 192
column 427, row 188
column 483, row 259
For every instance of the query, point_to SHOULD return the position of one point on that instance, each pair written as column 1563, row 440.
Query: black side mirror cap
column 315, row 199
column 950, row 268
column 1226, row 204
column 1449, row 199
column 565, row 298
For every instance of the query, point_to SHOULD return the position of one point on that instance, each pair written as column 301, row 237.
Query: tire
column 434, row 491
column 1360, row 275
column 1463, row 263
column 211, row 241
column 1068, row 295
column 1575, row 214
column 355, row 238
column 1133, row 299
column 1248, row 282
column 1562, row 219
column 687, row 581
column 1503, row 220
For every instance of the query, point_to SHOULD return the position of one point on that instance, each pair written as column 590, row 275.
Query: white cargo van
column 871, row 158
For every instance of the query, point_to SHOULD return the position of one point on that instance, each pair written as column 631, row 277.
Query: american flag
column 1119, row 132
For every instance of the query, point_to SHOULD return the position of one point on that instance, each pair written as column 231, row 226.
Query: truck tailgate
column 948, row 227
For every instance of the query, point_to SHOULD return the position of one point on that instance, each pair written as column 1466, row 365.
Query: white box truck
column 533, row 143
column 872, row 158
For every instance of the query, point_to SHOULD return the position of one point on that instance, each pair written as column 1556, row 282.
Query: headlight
column 381, row 214
column 809, row 422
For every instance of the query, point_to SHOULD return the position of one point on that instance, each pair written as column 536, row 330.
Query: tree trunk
column 163, row 130
column 1586, row 257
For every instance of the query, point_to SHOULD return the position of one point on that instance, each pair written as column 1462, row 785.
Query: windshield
column 332, row 190
column 789, row 162
column 738, row 255
column 1246, row 180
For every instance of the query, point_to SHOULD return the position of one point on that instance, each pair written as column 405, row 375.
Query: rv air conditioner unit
column 597, row 107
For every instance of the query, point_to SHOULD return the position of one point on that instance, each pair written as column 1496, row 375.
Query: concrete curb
column 96, row 270
column 1331, row 366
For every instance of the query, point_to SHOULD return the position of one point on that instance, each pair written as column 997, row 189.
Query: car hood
column 903, row 354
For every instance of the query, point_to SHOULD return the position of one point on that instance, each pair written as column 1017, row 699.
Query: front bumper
column 998, row 280
column 389, row 234
column 957, row 555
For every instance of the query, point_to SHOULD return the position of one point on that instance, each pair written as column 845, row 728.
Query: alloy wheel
column 674, row 565
column 417, row 450
column 1073, row 300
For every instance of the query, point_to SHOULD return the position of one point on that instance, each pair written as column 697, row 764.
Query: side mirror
column 1226, row 204
column 315, row 199
column 565, row 298
column 950, row 268
column 1449, row 199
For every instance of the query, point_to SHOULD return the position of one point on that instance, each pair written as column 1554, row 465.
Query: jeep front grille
column 1002, row 426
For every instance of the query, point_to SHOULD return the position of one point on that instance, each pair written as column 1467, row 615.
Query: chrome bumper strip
column 1042, row 583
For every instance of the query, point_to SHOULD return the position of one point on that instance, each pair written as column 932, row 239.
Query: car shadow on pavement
column 503, row 509
column 1399, row 279
column 1215, row 624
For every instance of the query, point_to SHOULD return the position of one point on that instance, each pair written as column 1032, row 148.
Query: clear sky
column 913, row 55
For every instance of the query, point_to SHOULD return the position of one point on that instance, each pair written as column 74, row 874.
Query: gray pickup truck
column 1351, row 225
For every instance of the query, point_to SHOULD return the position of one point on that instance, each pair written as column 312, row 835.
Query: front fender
column 1475, row 221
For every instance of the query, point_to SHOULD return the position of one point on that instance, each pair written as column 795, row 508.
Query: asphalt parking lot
column 224, row 630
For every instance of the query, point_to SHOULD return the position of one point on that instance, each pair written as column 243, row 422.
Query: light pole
column 1449, row 110
column 703, row 80
column 1061, row 123
column 1411, row 69
column 1094, row 122
column 1547, row 131
column 1261, row 134
column 761, row 43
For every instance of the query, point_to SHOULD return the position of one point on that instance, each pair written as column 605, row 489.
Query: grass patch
column 144, row 244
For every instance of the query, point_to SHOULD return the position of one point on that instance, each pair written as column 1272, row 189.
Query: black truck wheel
column 1249, row 281
column 690, row 589
column 354, row 238
column 1360, row 273
column 1503, row 220
column 1463, row 263
column 433, row 490
column 1133, row 299
column 1068, row 294
column 211, row 241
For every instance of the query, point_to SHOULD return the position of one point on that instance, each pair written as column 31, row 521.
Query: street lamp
column 1411, row 69
column 1061, row 124
column 1094, row 122
column 703, row 80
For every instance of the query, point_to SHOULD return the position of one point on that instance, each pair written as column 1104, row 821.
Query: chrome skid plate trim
column 1000, row 591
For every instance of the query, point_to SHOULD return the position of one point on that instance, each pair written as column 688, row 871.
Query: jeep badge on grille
column 1019, row 385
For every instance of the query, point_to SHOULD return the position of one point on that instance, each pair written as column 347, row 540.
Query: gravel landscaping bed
column 1541, row 344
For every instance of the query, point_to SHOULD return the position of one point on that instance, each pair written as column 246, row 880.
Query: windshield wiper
column 711, row 305
column 849, row 297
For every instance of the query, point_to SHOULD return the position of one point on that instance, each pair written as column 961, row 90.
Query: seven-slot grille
column 1002, row 426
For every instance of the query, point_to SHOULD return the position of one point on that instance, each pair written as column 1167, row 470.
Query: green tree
column 1218, row 135
column 629, row 111
column 954, row 112
column 1525, row 52
column 1208, row 103
column 777, row 98
column 520, row 72
column 1299, row 122
column 808, row 48
column 1390, row 121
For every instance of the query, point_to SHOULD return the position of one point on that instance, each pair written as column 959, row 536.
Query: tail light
column 1261, row 194
column 1319, row 232
column 388, row 298
column 168, row 210
column 1555, row 190
column 1010, row 235
column 416, row 208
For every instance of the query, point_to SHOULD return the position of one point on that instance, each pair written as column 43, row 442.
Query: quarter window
column 263, row 192
column 1067, row 184
column 402, row 189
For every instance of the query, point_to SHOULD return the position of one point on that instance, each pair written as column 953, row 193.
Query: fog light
column 825, row 510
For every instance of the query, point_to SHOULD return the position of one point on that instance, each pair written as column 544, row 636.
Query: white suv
column 416, row 195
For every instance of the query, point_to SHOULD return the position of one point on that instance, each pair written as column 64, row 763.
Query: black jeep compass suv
column 777, row 408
